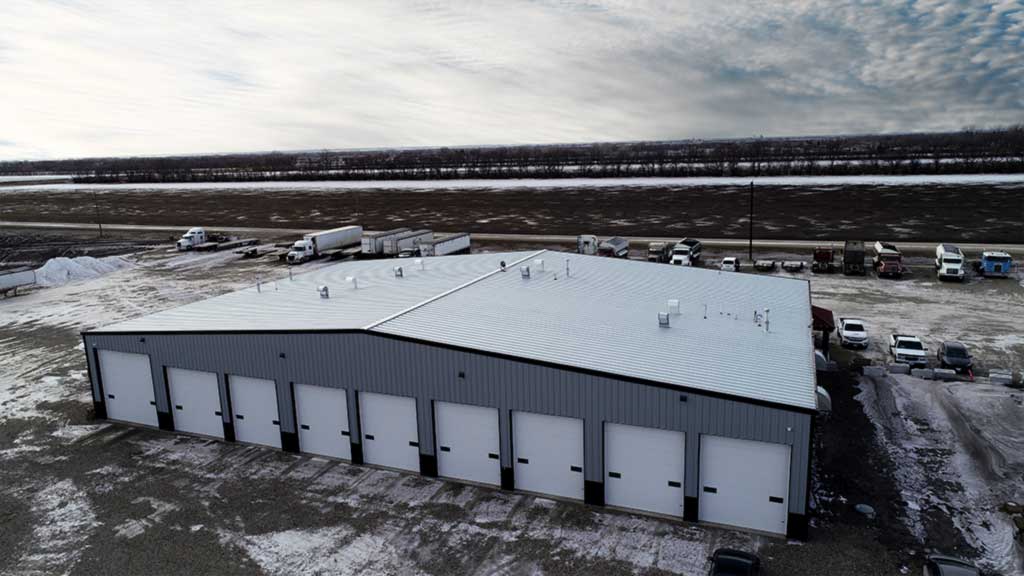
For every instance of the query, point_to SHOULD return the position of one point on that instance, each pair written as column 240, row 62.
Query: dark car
column 946, row 566
column 726, row 562
column 954, row 355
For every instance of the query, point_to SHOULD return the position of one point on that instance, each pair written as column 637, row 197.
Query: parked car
column 727, row 562
column 731, row 264
column 852, row 333
column 906, row 349
column 954, row 355
column 936, row 565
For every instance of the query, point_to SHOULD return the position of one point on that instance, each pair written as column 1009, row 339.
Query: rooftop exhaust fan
column 353, row 281
column 663, row 319
column 525, row 271
column 673, row 306
column 539, row 263
column 398, row 272
column 419, row 262
column 324, row 291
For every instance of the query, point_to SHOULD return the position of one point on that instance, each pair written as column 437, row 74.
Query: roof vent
column 766, row 321
column 324, row 291
column 673, row 306
column 259, row 284
column 353, row 281
column 419, row 262
column 398, row 272
column 524, row 271
column 539, row 263
column 663, row 319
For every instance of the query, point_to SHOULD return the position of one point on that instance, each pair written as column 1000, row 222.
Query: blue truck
column 995, row 264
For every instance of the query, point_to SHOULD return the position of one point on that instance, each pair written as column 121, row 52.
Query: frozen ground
column 82, row 497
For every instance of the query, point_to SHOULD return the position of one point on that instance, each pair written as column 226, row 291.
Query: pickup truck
column 906, row 349
column 852, row 333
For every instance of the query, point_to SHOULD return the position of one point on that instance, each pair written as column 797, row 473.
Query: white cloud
column 102, row 78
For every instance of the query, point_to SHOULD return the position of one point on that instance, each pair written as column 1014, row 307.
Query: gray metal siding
column 372, row 363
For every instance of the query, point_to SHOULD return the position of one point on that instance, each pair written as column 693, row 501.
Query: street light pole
column 750, row 223
column 96, row 213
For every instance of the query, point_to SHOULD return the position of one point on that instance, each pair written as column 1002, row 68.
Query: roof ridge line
column 434, row 298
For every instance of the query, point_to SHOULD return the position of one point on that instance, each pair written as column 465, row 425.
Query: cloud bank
column 91, row 78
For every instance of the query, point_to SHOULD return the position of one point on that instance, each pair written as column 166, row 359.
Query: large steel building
column 672, row 390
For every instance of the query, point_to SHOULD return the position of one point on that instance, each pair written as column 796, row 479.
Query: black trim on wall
column 810, row 459
column 428, row 465
column 165, row 421
column 796, row 526
column 99, row 406
column 357, row 452
column 169, row 415
column 554, row 365
column 593, row 492
column 295, row 418
column 229, row 431
column 690, row 508
column 289, row 441
column 508, row 478
column 229, row 425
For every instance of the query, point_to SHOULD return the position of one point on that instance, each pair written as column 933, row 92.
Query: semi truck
column 824, row 260
column 189, row 240
column 659, row 252
column 687, row 252
column 446, row 245
column 995, row 264
column 373, row 242
column 615, row 247
column 949, row 262
column 316, row 244
column 853, row 258
column 586, row 244
column 394, row 245
column 888, row 260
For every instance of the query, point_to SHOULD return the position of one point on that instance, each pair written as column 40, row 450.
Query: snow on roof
column 602, row 316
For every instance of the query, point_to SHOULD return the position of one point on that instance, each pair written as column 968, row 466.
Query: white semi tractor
column 949, row 262
column 446, row 245
column 373, row 242
column 189, row 240
column 394, row 245
column 314, row 245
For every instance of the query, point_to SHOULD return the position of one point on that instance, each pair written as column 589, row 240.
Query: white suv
column 852, row 333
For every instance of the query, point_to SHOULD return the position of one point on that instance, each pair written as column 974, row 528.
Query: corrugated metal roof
column 603, row 316
column 296, row 305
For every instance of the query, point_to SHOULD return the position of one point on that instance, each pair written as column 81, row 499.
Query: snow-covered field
column 432, row 185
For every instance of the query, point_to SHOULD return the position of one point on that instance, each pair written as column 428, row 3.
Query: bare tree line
column 999, row 150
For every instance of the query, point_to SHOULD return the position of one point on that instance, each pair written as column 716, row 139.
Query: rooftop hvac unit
column 663, row 319
column 324, row 291
column 524, row 271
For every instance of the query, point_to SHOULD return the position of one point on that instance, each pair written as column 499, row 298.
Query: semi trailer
column 446, row 245
column 316, row 244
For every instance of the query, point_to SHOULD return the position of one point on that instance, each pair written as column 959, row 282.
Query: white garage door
column 323, row 421
column 390, row 436
column 467, row 442
column 548, row 454
column 644, row 468
column 196, row 402
column 744, row 483
column 128, row 387
column 254, row 406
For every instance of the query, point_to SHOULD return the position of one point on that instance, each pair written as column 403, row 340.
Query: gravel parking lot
column 82, row 497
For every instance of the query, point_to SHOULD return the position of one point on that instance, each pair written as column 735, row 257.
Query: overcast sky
column 92, row 78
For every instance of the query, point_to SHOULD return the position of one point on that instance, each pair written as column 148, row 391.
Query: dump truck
column 394, row 245
column 446, row 245
column 659, row 252
column 824, row 260
column 995, row 264
column 949, row 262
column 615, row 247
column 687, row 252
column 586, row 244
column 373, row 242
column 317, row 244
column 888, row 260
column 853, row 258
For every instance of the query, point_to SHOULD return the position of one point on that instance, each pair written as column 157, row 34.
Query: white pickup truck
column 906, row 349
column 852, row 333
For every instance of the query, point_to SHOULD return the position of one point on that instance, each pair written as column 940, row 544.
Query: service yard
column 936, row 460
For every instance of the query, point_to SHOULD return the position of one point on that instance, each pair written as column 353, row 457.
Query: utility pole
column 96, row 213
column 750, row 223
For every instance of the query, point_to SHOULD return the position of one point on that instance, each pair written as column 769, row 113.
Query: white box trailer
column 373, row 242
column 313, row 245
column 12, row 280
column 446, row 245
column 405, row 240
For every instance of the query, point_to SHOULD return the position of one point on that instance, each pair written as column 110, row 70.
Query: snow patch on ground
column 66, row 520
column 60, row 271
column 136, row 526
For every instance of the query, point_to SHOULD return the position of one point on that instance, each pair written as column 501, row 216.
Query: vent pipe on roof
column 663, row 319
column 290, row 273
column 258, row 287
column 766, row 320
column 524, row 271
column 324, row 291
column 566, row 267
column 539, row 263
column 673, row 306
column 353, row 281
column 419, row 262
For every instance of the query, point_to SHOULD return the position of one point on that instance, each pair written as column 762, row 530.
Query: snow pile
column 60, row 271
